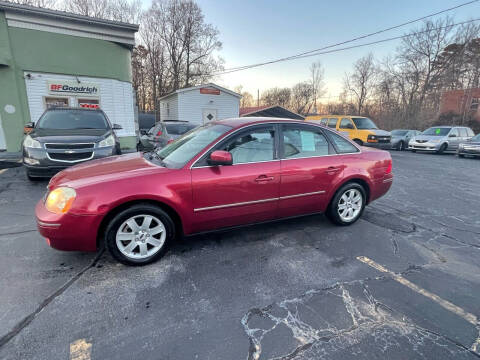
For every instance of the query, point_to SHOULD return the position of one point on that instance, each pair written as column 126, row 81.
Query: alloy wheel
column 140, row 236
column 350, row 205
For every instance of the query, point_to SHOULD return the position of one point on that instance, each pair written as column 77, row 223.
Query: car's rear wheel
column 139, row 235
column 442, row 148
column 347, row 205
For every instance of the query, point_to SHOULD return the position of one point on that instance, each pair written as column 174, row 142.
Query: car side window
column 470, row 132
column 252, row 146
column 454, row 131
column 301, row 142
column 332, row 123
column 342, row 145
column 346, row 124
column 463, row 132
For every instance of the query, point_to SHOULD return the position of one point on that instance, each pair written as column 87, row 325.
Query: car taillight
column 159, row 133
column 389, row 167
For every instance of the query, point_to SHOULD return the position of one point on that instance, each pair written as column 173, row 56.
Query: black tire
column 332, row 211
column 358, row 141
column 120, row 218
column 442, row 148
column 401, row 146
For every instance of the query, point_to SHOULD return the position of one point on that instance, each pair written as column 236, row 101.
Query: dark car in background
column 401, row 138
column 66, row 136
column 470, row 147
column 178, row 128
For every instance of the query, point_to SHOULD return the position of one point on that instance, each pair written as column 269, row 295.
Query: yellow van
column 360, row 129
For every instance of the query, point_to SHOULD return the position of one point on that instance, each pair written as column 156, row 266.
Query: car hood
column 106, row 169
column 427, row 137
column 69, row 136
column 471, row 143
column 380, row 132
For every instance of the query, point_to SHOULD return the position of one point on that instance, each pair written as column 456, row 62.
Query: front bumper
column 427, row 146
column 379, row 145
column 68, row 232
column 469, row 150
column 40, row 163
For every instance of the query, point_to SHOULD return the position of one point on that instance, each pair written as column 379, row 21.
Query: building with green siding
column 54, row 58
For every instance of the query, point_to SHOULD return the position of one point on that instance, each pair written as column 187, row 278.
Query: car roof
column 243, row 121
column 73, row 108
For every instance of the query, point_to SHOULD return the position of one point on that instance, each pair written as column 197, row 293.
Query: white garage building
column 200, row 104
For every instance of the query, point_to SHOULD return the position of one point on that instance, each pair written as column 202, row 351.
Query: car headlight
column 108, row 141
column 60, row 200
column 28, row 142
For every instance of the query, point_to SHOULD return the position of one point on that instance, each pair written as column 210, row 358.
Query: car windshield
column 436, row 131
column 364, row 123
column 181, row 151
column 178, row 129
column 476, row 138
column 72, row 119
column 399, row 132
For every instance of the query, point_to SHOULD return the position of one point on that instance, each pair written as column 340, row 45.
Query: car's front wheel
column 140, row 234
column 347, row 205
column 442, row 148
column 401, row 146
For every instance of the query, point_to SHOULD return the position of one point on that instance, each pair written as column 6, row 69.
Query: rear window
column 72, row 120
column 178, row 129
column 342, row 145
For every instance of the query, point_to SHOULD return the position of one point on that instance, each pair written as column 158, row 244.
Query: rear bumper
column 381, row 187
column 68, row 232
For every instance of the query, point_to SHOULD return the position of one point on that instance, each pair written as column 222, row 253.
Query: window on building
column 51, row 102
column 474, row 104
column 88, row 103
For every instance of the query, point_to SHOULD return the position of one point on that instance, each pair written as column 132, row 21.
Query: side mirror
column 28, row 127
column 220, row 157
column 117, row 127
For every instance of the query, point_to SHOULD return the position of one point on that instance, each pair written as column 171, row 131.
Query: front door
column 241, row 193
column 209, row 115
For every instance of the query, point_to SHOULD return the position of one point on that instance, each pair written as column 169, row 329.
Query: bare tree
column 247, row 98
column 317, row 84
column 277, row 96
column 47, row 4
column 360, row 82
column 302, row 97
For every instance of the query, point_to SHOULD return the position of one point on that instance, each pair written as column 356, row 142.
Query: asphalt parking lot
column 402, row 283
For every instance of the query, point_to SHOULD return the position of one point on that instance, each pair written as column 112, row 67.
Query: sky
column 253, row 31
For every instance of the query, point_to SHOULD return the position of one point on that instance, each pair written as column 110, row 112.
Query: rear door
column 454, row 139
column 245, row 192
column 308, row 169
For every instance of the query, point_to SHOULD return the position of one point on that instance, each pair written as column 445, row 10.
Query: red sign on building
column 209, row 91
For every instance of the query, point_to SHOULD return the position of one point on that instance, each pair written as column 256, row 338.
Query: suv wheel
column 347, row 205
column 139, row 235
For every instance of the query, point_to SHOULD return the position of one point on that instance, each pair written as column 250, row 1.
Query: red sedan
column 223, row 174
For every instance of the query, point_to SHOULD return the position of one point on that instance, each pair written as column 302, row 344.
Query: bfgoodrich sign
column 72, row 87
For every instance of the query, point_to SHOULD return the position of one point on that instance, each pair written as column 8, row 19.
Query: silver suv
column 441, row 139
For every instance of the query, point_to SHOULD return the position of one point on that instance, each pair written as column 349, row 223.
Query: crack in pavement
column 19, row 232
column 29, row 318
column 333, row 319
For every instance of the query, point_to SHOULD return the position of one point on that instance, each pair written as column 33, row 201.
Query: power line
column 300, row 55
column 351, row 47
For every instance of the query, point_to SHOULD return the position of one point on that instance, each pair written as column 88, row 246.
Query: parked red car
column 223, row 174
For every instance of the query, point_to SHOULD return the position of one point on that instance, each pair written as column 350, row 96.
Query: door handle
column 332, row 170
column 263, row 178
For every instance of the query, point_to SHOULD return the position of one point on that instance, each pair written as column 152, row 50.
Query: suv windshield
column 181, row 151
column 437, row 131
column 399, row 132
column 364, row 123
column 72, row 119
